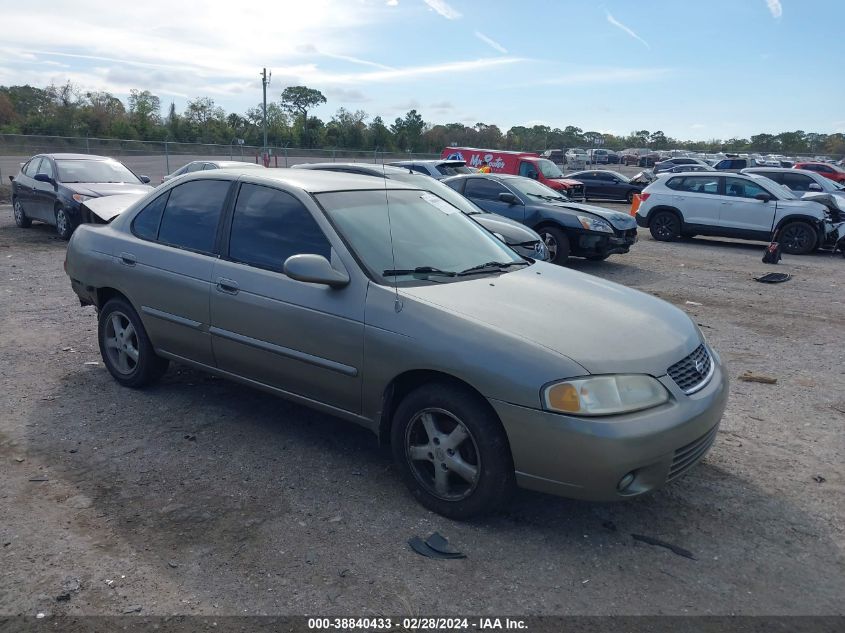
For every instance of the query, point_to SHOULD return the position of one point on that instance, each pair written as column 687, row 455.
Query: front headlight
column 81, row 198
column 595, row 224
column 604, row 395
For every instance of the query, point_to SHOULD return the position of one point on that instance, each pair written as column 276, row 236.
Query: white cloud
column 392, row 3
column 412, row 72
column 346, row 96
column 439, row 6
column 630, row 31
column 601, row 75
column 491, row 43
column 775, row 8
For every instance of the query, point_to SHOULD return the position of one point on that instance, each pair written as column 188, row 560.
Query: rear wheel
column 21, row 219
column 451, row 451
column 630, row 197
column 64, row 225
column 557, row 244
column 665, row 226
column 125, row 347
column 797, row 238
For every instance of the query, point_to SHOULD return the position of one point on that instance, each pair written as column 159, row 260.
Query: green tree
column 144, row 111
column 298, row 100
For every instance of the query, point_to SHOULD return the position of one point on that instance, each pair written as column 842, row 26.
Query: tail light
column 644, row 196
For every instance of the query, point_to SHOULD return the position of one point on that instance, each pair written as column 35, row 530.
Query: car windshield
column 453, row 170
column 534, row 189
column 438, row 188
column 73, row 170
column 549, row 169
column 412, row 236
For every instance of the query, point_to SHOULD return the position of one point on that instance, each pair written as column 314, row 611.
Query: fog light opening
column 625, row 482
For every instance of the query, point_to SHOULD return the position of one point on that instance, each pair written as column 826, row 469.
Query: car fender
column 537, row 217
column 816, row 223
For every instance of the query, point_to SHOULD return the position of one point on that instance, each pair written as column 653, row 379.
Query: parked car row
column 381, row 301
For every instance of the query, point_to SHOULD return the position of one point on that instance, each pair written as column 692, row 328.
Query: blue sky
column 694, row 70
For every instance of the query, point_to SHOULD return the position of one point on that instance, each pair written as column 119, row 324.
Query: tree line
column 66, row 110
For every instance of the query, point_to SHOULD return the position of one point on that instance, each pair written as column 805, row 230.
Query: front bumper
column 584, row 458
column 600, row 244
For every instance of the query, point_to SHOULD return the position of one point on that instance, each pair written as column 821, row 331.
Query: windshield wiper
column 495, row 266
column 419, row 270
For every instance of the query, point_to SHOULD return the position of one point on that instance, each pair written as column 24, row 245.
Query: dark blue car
column 50, row 188
column 567, row 228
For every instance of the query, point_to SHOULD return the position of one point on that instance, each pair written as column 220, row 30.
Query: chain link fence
column 158, row 158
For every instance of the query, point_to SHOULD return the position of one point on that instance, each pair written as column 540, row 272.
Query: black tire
column 64, row 224
column 557, row 242
column 797, row 238
column 665, row 226
column 117, row 346
column 21, row 218
column 484, row 449
column 630, row 197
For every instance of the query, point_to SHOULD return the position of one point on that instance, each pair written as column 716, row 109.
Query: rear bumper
column 587, row 459
column 642, row 221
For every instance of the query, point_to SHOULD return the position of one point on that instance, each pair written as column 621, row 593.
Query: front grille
column 687, row 456
column 575, row 191
column 692, row 372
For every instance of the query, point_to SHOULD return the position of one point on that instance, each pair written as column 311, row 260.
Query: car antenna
column 397, row 302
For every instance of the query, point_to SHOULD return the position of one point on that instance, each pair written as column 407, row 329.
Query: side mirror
column 145, row 179
column 763, row 197
column 814, row 186
column 314, row 269
column 43, row 178
column 507, row 197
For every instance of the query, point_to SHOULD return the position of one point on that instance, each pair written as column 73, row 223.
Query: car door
column 166, row 268
column 740, row 212
column 697, row 197
column 25, row 186
column 303, row 338
column 44, row 193
column 485, row 193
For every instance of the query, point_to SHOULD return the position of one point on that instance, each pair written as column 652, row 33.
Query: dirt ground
column 201, row 496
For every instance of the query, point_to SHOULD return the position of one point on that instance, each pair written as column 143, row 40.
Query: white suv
column 742, row 206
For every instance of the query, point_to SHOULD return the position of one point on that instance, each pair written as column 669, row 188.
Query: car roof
column 310, row 180
column 438, row 161
column 61, row 156
column 231, row 163
column 375, row 167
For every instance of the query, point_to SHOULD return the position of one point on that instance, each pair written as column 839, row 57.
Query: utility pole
column 265, row 80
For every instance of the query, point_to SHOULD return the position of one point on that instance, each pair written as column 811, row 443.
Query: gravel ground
column 203, row 496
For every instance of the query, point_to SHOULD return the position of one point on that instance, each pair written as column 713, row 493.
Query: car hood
column 511, row 230
column 619, row 220
column 569, row 182
column 604, row 327
column 108, row 208
column 97, row 189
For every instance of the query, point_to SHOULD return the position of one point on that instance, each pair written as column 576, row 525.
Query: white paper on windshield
column 439, row 203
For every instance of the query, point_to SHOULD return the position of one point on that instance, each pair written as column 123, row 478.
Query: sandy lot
column 202, row 496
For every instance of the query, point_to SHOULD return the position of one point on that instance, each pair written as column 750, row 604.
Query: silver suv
column 744, row 206
column 381, row 303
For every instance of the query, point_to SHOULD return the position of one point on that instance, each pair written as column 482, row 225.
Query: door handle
column 128, row 259
column 228, row 286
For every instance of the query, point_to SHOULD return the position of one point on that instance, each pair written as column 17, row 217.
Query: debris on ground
column 173, row 564
column 819, row 479
column 63, row 597
column 761, row 378
column 135, row 608
column 38, row 479
column 693, row 303
column 191, row 438
column 773, row 278
column 680, row 551
column 435, row 546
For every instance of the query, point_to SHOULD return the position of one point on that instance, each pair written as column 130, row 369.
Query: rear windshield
column 453, row 170
column 80, row 170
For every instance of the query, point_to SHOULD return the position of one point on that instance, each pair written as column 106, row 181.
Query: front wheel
column 125, row 347
column 451, row 451
column 64, row 225
column 797, row 238
column 630, row 197
column 557, row 243
column 665, row 226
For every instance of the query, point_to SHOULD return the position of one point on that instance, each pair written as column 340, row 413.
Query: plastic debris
column 435, row 546
column 680, row 551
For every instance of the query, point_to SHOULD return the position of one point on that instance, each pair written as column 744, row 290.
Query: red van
column 528, row 164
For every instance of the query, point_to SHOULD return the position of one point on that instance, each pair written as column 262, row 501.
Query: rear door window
column 695, row 184
column 269, row 225
column 796, row 182
column 484, row 189
column 740, row 188
column 192, row 214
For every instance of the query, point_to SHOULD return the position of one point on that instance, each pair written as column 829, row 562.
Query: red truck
column 528, row 164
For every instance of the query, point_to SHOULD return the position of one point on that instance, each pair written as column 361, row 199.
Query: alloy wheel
column 796, row 239
column 62, row 223
column 443, row 455
column 121, row 342
column 20, row 216
column 551, row 244
column 664, row 226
